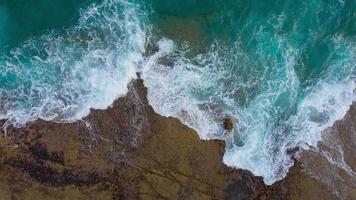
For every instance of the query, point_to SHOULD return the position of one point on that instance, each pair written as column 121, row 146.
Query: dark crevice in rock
column 51, row 177
column 41, row 153
column 129, row 152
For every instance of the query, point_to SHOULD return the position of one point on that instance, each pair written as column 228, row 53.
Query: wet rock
column 228, row 123
column 52, row 177
column 129, row 152
column 151, row 47
column 338, row 144
column 165, row 61
column 41, row 153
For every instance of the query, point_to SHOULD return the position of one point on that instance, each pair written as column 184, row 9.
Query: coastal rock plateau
column 129, row 152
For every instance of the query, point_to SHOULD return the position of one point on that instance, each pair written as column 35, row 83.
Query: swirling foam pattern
column 283, row 70
column 61, row 76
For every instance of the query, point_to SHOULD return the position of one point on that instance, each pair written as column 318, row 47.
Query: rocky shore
column 129, row 152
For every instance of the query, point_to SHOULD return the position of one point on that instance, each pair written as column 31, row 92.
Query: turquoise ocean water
column 283, row 70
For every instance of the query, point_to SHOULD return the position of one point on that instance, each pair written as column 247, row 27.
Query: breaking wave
column 60, row 77
column 278, row 91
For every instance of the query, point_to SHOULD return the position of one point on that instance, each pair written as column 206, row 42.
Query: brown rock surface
column 129, row 152
column 333, row 161
column 124, row 152
column 228, row 124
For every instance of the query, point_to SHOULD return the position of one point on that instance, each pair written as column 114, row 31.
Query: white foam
column 262, row 136
column 166, row 95
column 87, row 67
column 97, row 59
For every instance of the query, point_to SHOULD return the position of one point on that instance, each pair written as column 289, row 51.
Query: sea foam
column 60, row 76
column 281, row 116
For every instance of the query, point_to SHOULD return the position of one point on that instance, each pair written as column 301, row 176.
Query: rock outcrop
column 228, row 124
column 129, row 152
column 333, row 161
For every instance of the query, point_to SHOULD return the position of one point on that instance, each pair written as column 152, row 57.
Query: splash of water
column 283, row 72
column 59, row 77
